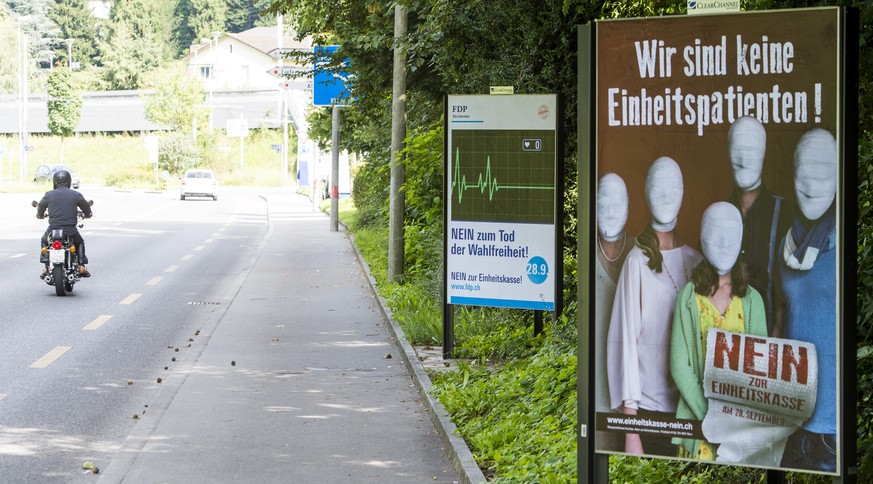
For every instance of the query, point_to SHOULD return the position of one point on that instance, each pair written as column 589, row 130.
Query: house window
column 205, row 71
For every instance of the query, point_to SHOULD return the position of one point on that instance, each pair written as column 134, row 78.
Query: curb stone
column 462, row 458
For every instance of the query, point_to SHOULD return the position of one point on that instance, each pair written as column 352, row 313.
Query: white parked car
column 199, row 183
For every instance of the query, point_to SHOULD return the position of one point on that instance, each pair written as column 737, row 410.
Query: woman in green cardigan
column 718, row 296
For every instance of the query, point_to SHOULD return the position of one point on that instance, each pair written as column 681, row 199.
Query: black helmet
column 61, row 177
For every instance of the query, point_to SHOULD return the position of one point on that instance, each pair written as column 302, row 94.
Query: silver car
column 44, row 173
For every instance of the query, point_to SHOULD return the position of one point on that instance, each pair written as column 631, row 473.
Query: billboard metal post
column 592, row 467
column 334, row 169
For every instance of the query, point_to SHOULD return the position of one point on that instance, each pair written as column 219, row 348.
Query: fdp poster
column 719, row 213
column 501, row 176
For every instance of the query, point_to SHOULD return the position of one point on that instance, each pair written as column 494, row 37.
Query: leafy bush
column 519, row 420
column 494, row 334
column 176, row 154
column 865, row 305
column 371, row 190
column 417, row 313
column 423, row 193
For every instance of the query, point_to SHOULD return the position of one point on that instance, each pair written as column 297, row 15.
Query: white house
column 246, row 60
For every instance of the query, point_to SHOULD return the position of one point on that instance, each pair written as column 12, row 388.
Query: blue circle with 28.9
column 537, row 270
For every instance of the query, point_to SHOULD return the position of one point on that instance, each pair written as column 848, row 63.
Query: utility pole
column 284, row 103
column 22, row 102
column 398, row 134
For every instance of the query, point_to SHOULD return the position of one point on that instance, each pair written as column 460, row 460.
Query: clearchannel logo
column 719, row 5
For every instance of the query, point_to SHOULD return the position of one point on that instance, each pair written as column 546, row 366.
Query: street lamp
column 69, row 53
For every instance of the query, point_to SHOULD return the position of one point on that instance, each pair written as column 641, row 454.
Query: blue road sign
column 328, row 88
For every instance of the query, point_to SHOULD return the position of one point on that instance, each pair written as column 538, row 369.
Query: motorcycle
column 63, row 261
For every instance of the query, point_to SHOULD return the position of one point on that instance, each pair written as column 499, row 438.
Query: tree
column 76, row 23
column 127, row 58
column 32, row 18
column 245, row 14
column 202, row 18
column 139, row 39
column 8, row 57
column 64, row 105
column 177, row 103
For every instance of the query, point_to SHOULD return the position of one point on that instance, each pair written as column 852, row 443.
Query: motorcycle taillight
column 57, row 245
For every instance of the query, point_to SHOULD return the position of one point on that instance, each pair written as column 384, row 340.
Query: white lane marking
column 100, row 321
column 154, row 281
column 221, row 229
column 130, row 299
column 187, row 257
column 50, row 357
column 199, row 247
column 16, row 256
column 171, row 268
column 208, row 241
column 2, row 396
column 217, row 234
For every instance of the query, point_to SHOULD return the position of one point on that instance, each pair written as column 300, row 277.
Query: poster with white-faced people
column 722, row 335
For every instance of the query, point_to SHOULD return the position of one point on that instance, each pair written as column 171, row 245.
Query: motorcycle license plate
column 56, row 256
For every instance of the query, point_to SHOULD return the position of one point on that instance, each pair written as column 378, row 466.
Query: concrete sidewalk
column 300, row 382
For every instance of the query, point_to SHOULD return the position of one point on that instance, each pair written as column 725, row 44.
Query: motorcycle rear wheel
column 60, row 280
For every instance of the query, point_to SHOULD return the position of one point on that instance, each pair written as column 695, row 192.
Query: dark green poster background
column 503, row 176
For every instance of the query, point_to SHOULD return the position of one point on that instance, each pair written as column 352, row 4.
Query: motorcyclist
column 63, row 204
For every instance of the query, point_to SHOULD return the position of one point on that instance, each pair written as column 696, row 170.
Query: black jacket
column 61, row 204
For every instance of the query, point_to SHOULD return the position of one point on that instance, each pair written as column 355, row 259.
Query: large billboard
column 717, row 254
column 501, row 178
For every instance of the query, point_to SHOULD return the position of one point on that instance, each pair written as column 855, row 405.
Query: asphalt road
column 74, row 371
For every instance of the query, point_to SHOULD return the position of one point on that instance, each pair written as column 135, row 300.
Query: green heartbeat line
column 485, row 181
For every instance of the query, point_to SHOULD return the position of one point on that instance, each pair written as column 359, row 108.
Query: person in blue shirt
column 808, row 281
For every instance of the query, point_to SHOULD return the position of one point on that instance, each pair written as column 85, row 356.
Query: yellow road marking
column 50, row 357
column 187, row 257
column 97, row 322
column 154, row 281
column 130, row 299
column 199, row 247
column 171, row 268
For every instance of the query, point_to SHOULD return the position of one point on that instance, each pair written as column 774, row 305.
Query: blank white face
column 747, row 142
column 612, row 207
column 721, row 236
column 815, row 173
column 664, row 190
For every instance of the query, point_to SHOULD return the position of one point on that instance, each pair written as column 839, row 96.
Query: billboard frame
column 593, row 465
column 503, row 104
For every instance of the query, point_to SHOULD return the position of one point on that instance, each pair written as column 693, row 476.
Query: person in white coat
column 638, row 341
column 612, row 248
